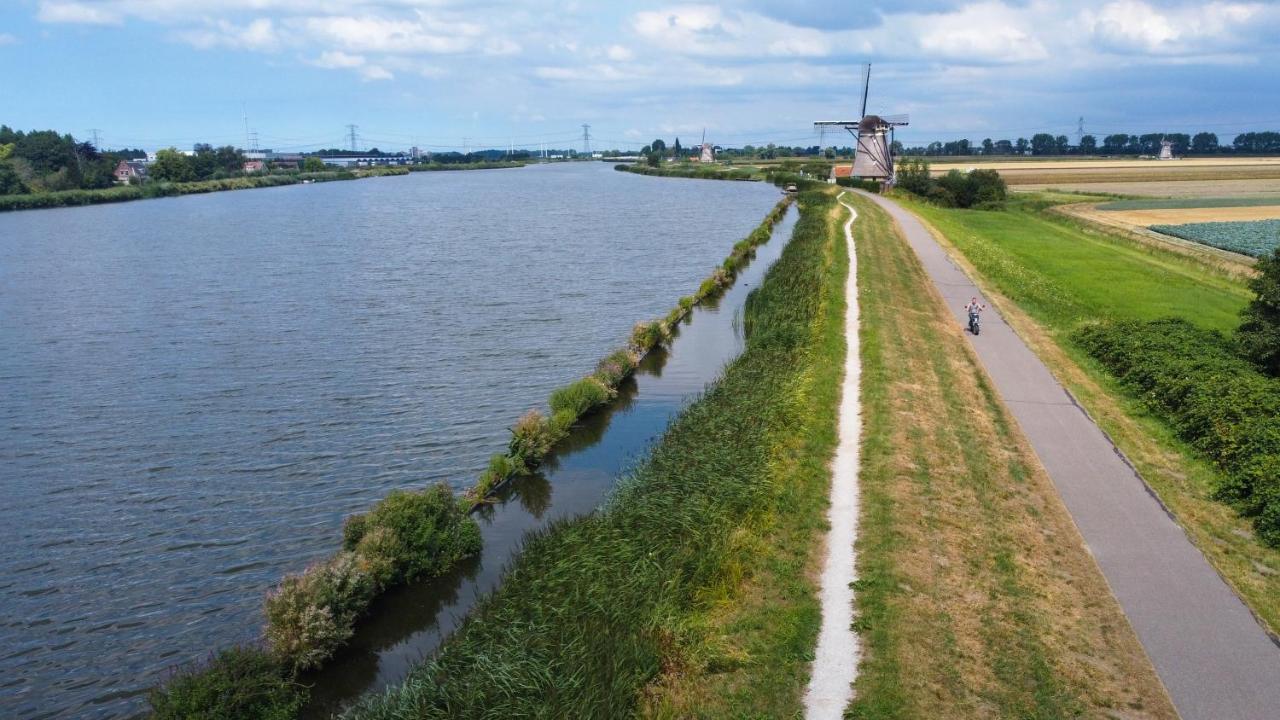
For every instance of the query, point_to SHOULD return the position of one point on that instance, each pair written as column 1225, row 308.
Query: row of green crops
column 1215, row 400
column 596, row 607
column 1187, row 203
column 405, row 537
column 1256, row 238
column 534, row 434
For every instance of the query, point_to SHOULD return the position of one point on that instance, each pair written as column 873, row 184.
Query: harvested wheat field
column 1182, row 216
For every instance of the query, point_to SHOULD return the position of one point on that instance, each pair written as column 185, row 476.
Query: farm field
column 1184, row 216
column 1256, row 238
column 1051, row 276
column 1192, row 178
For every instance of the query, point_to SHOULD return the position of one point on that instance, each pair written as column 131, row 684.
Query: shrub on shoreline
column 1215, row 400
column 239, row 682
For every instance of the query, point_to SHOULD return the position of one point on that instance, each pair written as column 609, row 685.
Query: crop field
column 1256, row 238
column 1186, row 216
column 1189, row 203
column 1192, row 178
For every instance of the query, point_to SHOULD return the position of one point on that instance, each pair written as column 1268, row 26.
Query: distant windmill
column 873, row 155
column 708, row 153
column 1166, row 149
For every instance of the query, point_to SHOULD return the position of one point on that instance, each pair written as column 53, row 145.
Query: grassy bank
column 976, row 597
column 124, row 193
column 487, row 165
column 672, row 601
column 1051, row 277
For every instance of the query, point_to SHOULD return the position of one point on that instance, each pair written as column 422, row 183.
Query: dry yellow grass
column 1179, row 216
column 1067, row 165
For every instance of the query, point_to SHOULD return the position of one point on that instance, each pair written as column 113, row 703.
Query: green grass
column 1188, row 203
column 599, row 610
column 1063, row 274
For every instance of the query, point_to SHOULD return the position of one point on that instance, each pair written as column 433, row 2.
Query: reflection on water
column 409, row 624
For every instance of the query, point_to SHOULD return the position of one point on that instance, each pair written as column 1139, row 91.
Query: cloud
column 7, row 39
column 618, row 53
column 708, row 30
column 70, row 11
column 1137, row 27
column 338, row 59
column 259, row 34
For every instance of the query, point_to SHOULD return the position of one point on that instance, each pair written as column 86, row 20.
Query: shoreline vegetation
column 624, row 610
column 158, row 189
column 408, row 536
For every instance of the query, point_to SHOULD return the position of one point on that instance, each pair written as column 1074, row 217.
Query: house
column 251, row 166
column 129, row 171
column 839, row 171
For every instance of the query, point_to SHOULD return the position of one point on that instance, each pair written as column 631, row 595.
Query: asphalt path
column 1215, row 659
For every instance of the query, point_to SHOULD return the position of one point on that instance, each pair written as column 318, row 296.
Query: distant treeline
column 1204, row 143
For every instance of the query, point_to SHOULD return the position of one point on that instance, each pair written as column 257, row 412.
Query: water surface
column 197, row 390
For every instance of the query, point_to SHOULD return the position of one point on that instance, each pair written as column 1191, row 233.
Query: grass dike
column 688, row 594
column 1051, row 278
column 976, row 596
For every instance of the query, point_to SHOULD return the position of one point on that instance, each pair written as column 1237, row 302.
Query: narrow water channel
column 408, row 625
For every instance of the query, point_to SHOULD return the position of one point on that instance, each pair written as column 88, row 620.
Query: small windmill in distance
column 708, row 153
column 873, row 153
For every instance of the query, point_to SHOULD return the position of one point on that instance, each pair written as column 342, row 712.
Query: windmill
column 1166, row 149
column 708, row 153
column 873, row 153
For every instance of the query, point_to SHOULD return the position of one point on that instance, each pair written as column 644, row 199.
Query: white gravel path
column 835, row 662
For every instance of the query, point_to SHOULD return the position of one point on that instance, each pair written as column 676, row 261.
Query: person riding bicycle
column 973, row 309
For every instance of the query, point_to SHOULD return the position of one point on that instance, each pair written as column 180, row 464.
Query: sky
column 448, row 74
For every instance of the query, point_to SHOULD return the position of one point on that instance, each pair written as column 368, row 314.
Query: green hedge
column 239, row 682
column 1214, row 399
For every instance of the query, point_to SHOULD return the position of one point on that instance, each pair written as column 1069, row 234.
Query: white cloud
column 1135, row 26
column 989, row 32
column 708, row 30
column 258, row 35
column 375, row 72
column 618, row 53
column 338, row 59
column 7, row 39
column 423, row 34
column 70, row 11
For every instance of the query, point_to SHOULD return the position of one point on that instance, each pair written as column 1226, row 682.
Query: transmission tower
column 351, row 134
column 586, row 139
column 95, row 132
column 1080, row 131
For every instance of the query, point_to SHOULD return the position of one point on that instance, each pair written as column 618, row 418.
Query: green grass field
column 1063, row 274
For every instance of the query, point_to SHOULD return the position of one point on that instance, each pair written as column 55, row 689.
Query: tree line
column 1203, row 143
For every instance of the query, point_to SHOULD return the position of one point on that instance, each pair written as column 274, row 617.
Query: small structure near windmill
column 1166, row 149
column 873, row 154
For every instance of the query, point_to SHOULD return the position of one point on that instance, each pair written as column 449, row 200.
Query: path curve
column 1215, row 659
column 835, row 662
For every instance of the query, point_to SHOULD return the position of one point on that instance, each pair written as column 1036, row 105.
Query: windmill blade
column 902, row 119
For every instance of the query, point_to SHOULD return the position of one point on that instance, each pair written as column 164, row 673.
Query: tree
column 1259, row 333
column 171, row 165
column 912, row 175
column 654, row 159
column 313, row 164
column 1061, row 145
column 987, row 146
column 1004, row 147
column 1204, row 143
column 10, row 183
column 1088, row 145
column 1021, row 146
column 1114, row 144
column 1042, row 144
column 675, row 149
column 659, row 145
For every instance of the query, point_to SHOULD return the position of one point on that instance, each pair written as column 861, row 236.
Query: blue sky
column 444, row 74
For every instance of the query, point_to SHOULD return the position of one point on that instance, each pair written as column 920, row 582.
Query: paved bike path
column 1215, row 659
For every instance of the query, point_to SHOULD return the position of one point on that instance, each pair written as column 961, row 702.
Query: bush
column 240, row 683
column 531, row 440
column 432, row 531
column 647, row 335
column 501, row 467
column 615, row 367
column 982, row 189
column 580, row 396
column 311, row 615
column 1259, row 334
column 1215, row 400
